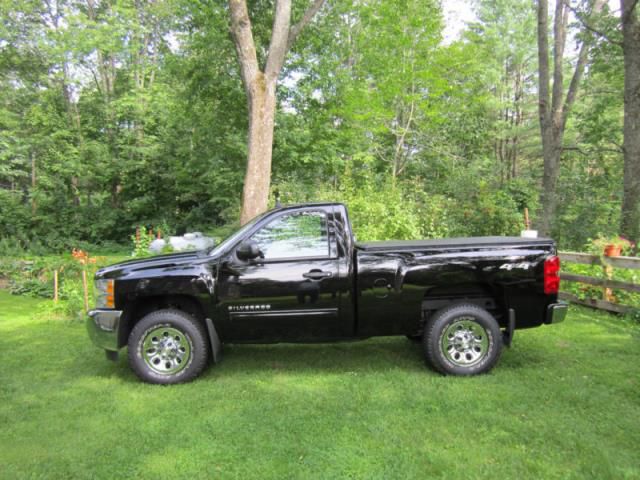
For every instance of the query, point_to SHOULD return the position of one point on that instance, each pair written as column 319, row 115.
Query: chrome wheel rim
column 166, row 350
column 465, row 342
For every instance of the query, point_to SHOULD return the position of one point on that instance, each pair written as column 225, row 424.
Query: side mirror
column 248, row 250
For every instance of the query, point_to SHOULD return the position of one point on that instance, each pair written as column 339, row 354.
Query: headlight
column 104, row 293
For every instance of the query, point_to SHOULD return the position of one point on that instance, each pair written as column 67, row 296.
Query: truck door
column 294, row 292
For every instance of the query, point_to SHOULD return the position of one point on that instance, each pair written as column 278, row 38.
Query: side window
column 302, row 234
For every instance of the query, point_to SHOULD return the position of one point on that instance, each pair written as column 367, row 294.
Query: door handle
column 317, row 275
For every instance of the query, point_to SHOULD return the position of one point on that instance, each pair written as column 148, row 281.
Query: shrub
column 141, row 241
column 382, row 208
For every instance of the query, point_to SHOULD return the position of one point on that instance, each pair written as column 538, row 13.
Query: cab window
column 296, row 235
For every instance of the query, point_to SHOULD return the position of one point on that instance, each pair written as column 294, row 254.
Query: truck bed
column 456, row 243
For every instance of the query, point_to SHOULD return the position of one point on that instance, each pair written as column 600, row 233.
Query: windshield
column 234, row 237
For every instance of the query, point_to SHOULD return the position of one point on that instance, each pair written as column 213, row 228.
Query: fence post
column 607, row 293
column 85, row 288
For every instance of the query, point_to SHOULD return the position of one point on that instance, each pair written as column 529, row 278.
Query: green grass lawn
column 564, row 402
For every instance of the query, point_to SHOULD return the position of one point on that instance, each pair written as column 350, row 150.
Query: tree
column 553, row 107
column 630, row 221
column 625, row 34
column 260, row 87
column 505, row 34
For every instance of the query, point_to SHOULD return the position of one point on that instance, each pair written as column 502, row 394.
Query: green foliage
column 479, row 208
column 70, row 306
column 601, row 243
column 135, row 115
column 27, row 277
column 31, row 287
column 141, row 240
column 587, row 292
column 379, row 208
column 168, row 248
column 13, row 217
column 34, row 277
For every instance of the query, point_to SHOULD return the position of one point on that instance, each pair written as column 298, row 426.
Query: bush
column 71, row 303
column 383, row 208
column 380, row 208
column 33, row 276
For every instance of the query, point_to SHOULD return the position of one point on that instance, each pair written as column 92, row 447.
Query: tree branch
column 575, row 82
column 579, row 70
column 243, row 40
column 279, row 39
column 543, row 61
column 628, row 11
column 560, row 22
column 308, row 15
column 591, row 28
column 400, row 141
column 595, row 150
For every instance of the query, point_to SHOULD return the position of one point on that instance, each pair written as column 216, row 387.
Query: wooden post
column 607, row 293
column 527, row 224
column 55, row 285
column 86, row 289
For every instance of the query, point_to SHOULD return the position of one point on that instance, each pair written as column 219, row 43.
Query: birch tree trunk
column 260, row 87
column 630, row 222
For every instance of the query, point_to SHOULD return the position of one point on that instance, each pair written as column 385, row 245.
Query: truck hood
column 170, row 261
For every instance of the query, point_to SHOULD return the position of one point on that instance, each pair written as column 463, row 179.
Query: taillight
column 551, row 275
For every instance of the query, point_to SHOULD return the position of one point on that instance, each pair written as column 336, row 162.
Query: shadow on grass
column 376, row 355
column 361, row 356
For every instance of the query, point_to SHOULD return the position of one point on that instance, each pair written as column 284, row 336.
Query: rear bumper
column 557, row 312
column 102, row 326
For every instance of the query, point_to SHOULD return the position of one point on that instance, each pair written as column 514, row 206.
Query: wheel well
column 432, row 304
column 137, row 309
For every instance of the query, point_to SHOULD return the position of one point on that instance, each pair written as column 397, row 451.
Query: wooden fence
column 608, row 264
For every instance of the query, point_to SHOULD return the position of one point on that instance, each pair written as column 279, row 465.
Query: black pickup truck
column 296, row 274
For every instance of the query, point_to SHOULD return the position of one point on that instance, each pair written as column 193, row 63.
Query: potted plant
column 613, row 246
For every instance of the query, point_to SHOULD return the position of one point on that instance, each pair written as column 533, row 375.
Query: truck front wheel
column 168, row 346
column 462, row 339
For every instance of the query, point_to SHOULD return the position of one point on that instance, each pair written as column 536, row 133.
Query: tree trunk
column 553, row 109
column 548, row 182
column 630, row 221
column 260, row 87
column 551, row 151
column 75, row 190
column 262, row 109
column 34, row 204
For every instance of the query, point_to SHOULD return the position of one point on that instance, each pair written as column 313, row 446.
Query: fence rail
column 608, row 264
column 587, row 259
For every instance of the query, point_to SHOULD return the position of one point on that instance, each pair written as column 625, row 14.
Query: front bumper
column 557, row 312
column 102, row 326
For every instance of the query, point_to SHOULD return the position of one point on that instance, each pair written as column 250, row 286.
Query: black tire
column 462, row 339
column 168, row 346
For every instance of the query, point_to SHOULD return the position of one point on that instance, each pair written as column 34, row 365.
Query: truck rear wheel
column 462, row 339
column 168, row 346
